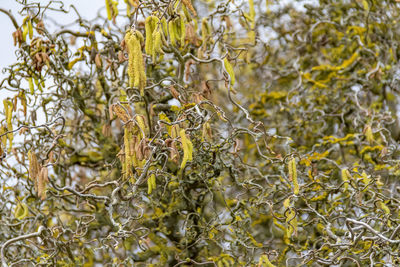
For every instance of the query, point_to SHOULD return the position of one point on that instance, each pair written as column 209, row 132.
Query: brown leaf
column 98, row 61
column 174, row 92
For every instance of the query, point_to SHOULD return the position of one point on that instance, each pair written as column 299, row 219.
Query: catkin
column 157, row 42
column 121, row 113
column 293, row 175
column 130, row 43
column 127, row 158
column 33, row 165
column 141, row 122
column 24, row 32
column 171, row 31
column 108, row 8
column 151, row 183
column 345, row 178
column 42, row 181
column 229, row 70
column 140, row 78
column 369, row 134
column 164, row 26
column 30, row 29
column 136, row 71
column 149, row 28
column 182, row 30
column 187, row 148
column 189, row 6
column 153, row 36
column 137, row 63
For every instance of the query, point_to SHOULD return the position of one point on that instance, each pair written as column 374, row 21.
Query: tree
column 214, row 133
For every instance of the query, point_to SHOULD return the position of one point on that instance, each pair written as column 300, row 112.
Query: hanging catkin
column 182, row 30
column 136, row 71
column 34, row 168
column 121, row 113
column 153, row 36
column 229, row 70
column 42, row 181
column 293, row 175
column 187, row 148
column 149, row 27
column 171, row 31
column 157, row 43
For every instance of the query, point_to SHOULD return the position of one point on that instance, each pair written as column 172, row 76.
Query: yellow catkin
column 229, row 70
column 24, row 32
column 252, row 13
column 293, row 175
column 153, row 36
column 31, row 87
column 139, row 36
column 128, row 8
column 121, row 113
column 108, row 8
column 149, row 28
column 171, row 31
column 142, row 82
column 157, row 43
column 164, row 26
column 345, row 178
column 30, row 29
column 151, row 183
column 137, row 63
column 131, row 46
column 114, row 8
column 295, row 181
column 182, row 30
column 136, row 71
column 369, row 134
column 139, row 67
column 187, row 148
column 142, row 124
